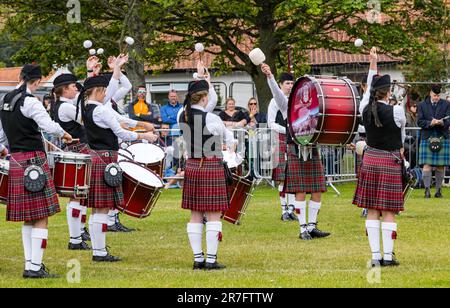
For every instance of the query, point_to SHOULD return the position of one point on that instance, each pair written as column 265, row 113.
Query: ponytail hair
column 192, row 99
column 375, row 96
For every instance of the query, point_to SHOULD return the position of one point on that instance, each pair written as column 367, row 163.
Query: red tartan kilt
column 81, row 148
column 205, row 188
column 380, row 185
column 304, row 176
column 279, row 173
column 25, row 206
column 102, row 196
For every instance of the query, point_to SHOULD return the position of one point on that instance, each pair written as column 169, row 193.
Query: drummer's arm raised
column 372, row 72
column 278, row 95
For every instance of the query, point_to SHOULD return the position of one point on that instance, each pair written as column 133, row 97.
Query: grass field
column 263, row 252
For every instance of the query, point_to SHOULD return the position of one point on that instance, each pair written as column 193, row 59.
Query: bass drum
column 323, row 110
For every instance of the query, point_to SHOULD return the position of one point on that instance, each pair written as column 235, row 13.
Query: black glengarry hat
column 198, row 86
column 381, row 82
column 31, row 72
column 64, row 80
column 285, row 77
column 436, row 89
column 96, row 82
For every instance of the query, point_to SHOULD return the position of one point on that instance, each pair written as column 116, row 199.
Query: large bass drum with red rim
column 323, row 110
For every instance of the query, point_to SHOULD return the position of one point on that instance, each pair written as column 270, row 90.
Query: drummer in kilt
column 278, row 123
column 380, row 183
column 434, row 119
column 64, row 112
column 31, row 199
column 302, row 176
column 103, row 130
column 205, row 187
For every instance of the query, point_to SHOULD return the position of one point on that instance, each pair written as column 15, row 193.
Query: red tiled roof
column 9, row 77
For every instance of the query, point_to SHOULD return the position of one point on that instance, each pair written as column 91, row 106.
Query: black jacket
column 426, row 115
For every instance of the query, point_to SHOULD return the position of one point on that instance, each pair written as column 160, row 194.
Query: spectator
column 434, row 119
column 140, row 110
column 448, row 99
column 170, row 111
column 411, row 135
column 232, row 117
column 255, row 117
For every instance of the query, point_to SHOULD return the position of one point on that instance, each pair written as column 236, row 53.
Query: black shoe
column 124, row 229
column 81, row 246
column 305, row 236
column 285, row 217
column 85, row 236
column 293, row 217
column 427, row 193
column 199, row 265
column 316, row 233
column 392, row 263
column 438, row 194
column 107, row 258
column 214, row 266
column 43, row 273
column 26, row 274
column 114, row 228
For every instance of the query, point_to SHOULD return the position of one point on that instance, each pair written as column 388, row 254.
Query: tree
column 167, row 30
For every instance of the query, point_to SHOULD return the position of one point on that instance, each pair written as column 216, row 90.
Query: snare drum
column 149, row 155
column 125, row 155
column 323, row 110
column 4, row 176
column 241, row 193
column 71, row 173
column 141, row 189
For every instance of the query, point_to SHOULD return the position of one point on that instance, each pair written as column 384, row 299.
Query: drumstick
column 52, row 145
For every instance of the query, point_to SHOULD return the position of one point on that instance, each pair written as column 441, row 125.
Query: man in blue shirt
column 169, row 112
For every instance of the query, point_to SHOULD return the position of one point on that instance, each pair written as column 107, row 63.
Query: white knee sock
column 314, row 209
column 195, row 234
column 74, row 213
column 373, row 233
column 39, row 239
column 111, row 218
column 300, row 208
column 98, row 232
column 290, row 203
column 389, row 235
column 27, row 248
column 213, row 232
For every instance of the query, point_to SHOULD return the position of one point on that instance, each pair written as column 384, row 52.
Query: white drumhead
column 146, row 153
column 124, row 155
column 232, row 159
column 141, row 174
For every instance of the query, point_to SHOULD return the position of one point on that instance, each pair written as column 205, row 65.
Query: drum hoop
column 349, row 83
column 322, row 107
column 162, row 150
column 136, row 181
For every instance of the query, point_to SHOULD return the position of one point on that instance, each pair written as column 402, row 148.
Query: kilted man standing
column 103, row 130
column 32, row 197
column 380, row 184
column 302, row 177
column 434, row 119
column 277, row 121
column 205, row 187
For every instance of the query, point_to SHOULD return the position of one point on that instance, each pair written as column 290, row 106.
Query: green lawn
column 263, row 252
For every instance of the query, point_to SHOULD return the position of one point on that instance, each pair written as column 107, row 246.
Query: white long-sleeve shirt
column 33, row 109
column 281, row 100
column 272, row 117
column 366, row 97
column 104, row 117
column 399, row 112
